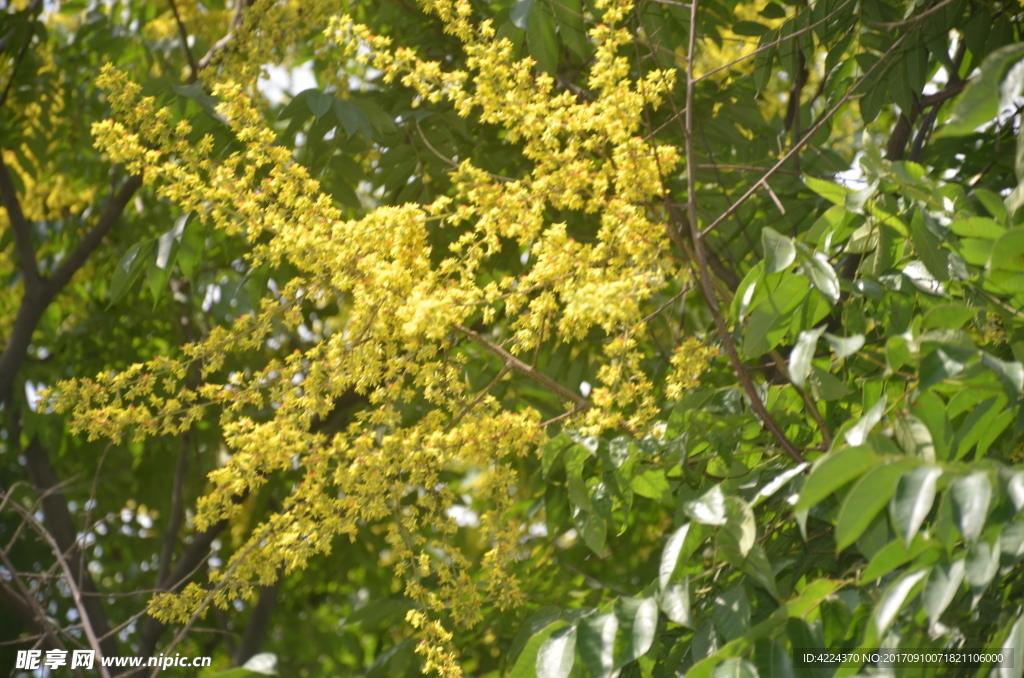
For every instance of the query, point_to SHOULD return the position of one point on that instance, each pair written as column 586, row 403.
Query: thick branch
column 236, row 23
column 108, row 218
column 19, row 227
column 259, row 622
column 701, row 257
column 190, row 561
column 177, row 511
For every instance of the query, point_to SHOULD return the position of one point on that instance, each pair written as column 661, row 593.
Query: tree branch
column 20, row 228
column 177, row 511
column 108, row 218
column 236, row 23
column 259, row 622
column 64, row 539
column 806, row 139
column 190, row 560
column 524, row 369
column 183, row 32
column 701, row 255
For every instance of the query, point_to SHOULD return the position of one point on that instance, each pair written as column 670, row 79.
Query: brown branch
column 701, row 256
column 519, row 366
column 912, row 20
column 19, row 227
column 194, row 556
column 259, row 621
column 183, row 32
column 177, row 512
column 476, row 401
column 812, row 407
column 64, row 539
column 236, row 24
column 810, row 133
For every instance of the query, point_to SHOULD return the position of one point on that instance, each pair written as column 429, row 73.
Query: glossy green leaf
column 802, row 354
column 735, row 668
column 129, row 268
column 555, row 657
column 674, row 601
column 595, row 642
column 982, row 563
column 771, row 318
column 866, row 499
column 638, row 623
column 823, row 276
column 709, row 509
column 971, row 495
column 526, row 660
column 891, row 556
column 943, row 583
column 833, row 472
column 540, row 37
column 859, row 432
column 915, row 494
column 981, row 100
column 895, row 598
column 653, row 485
column 914, row 437
column 844, row 347
column 319, row 103
column 670, row 555
column 731, row 612
column 978, row 227
column 779, row 251
column 1014, row 643
column 520, row 12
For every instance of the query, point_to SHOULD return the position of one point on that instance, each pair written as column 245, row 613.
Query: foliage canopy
column 584, row 337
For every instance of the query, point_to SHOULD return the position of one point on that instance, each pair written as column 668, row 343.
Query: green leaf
column 741, row 525
column 1014, row 643
column 533, row 625
column 823, row 276
column 796, row 608
column 670, row 555
column 526, row 660
column 915, row 494
column 994, row 205
column 351, row 118
column 984, row 94
column 749, row 28
column 982, row 563
column 555, row 657
column 129, row 268
column 772, row 659
column 520, row 13
column 894, row 599
column 571, row 27
column 195, row 92
column 914, row 437
column 826, row 387
column 1010, row 373
column 834, row 471
column 319, row 103
column 949, row 316
column 830, row 191
column 709, row 509
column 1008, row 252
column 971, row 494
column 295, row 106
column 540, row 38
column 937, row 366
column 871, row 493
column 935, row 259
column 771, row 318
column 892, row 556
column 674, row 601
column 943, row 584
column 978, row 227
column 637, row 625
column 190, row 250
column 859, row 432
column 731, row 612
column 844, row 347
column 777, row 483
column 653, row 485
column 779, row 251
column 596, row 643
column 735, row 668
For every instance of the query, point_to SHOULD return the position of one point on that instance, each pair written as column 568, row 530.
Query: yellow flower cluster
column 689, row 361
column 399, row 340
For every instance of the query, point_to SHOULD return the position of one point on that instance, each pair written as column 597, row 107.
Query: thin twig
column 800, row 144
column 701, row 257
column 183, row 32
column 519, row 366
column 476, row 401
